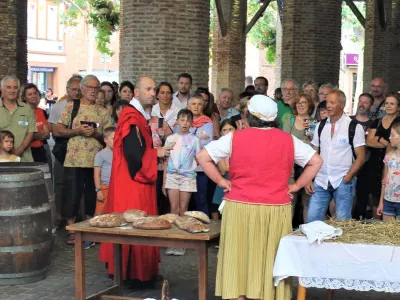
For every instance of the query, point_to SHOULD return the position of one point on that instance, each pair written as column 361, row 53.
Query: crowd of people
column 144, row 146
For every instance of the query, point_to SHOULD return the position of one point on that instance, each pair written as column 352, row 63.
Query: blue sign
column 42, row 69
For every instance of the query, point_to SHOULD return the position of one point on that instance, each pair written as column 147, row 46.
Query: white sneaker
column 170, row 251
column 179, row 251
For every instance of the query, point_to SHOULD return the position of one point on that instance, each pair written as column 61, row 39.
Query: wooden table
column 173, row 237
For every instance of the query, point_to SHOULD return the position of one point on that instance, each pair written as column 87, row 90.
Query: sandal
column 71, row 238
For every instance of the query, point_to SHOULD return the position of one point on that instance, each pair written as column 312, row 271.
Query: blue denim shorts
column 391, row 208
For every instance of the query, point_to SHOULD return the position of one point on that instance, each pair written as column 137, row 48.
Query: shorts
column 391, row 208
column 181, row 183
column 101, row 205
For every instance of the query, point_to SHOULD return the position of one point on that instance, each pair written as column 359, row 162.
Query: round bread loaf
column 191, row 225
column 152, row 223
column 169, row 217
column 132, row 215
column 108, row 221
column 199, row 215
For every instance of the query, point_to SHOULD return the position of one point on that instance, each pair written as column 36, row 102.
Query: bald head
column 378, row 88
column 145, row 91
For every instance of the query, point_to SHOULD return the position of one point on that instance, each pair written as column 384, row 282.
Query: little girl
column 7, row 146
column 389, row 204
column 227, row 126
column 180, row 171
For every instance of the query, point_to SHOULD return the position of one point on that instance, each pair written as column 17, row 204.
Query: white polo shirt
column 336, row 151
column 178, row 103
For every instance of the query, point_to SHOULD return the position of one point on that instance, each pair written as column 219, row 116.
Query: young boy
column 102, row 170
column 180, row 171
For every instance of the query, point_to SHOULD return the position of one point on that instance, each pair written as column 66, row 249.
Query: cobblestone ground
column 181, row 272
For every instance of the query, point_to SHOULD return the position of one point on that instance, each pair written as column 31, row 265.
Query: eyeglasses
column 289, row 90
column 301, row 103
column 92, row 87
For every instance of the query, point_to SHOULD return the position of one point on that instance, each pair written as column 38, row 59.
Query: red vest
column 260, row 166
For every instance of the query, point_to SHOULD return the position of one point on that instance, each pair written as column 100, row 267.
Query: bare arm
column 44, row 134
column 310, row 171
column 372, row 140
column 207, row 164
column 357, row 164
column 97, row 173
column 61, row 130
column 384, row 182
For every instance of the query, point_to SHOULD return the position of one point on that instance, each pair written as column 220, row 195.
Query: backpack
column 351, row 133
column 60, row 147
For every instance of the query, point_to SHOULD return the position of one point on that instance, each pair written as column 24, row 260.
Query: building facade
column 56, row 52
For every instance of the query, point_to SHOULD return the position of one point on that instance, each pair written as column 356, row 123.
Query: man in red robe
column 133, row 180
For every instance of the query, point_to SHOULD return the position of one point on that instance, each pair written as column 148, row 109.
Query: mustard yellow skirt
column 250, row 236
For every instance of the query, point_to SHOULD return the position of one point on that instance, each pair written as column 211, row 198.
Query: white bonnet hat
column 263, row 107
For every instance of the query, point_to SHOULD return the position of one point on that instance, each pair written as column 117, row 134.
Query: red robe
column 139, row 193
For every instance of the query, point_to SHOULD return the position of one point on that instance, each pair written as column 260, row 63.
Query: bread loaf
column 132, row 215
column 198, row 215
column 108, row 220
column 152, row 223
column 191, row 225
column 169, row 217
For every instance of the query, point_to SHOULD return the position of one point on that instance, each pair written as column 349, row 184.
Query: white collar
column 134, row 102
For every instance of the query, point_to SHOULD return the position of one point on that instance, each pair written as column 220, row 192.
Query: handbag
column 60, row 148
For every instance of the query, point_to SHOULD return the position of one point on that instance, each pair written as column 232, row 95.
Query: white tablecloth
column 337, row 265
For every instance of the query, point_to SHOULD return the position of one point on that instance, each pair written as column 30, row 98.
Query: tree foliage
column 263, row 33
column 102, row 14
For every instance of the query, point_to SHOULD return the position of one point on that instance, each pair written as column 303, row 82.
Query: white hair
column 326, row 85
column 9, row 78
column 87, row 78
column 296, row 85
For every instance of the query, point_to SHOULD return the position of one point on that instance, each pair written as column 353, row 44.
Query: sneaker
column 88, row 244
column 179, row 251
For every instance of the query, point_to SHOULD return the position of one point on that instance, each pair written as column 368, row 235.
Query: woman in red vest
column 257, row 206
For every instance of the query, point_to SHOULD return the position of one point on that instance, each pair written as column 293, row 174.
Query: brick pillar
column 163, row 38
column 229, row 51
column 13, row 36
column 382, row 45
column 311, row 40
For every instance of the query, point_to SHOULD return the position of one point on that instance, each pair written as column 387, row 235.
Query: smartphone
column 91, row 124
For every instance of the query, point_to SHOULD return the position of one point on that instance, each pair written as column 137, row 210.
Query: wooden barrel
column 47, row 178
column 25, row 226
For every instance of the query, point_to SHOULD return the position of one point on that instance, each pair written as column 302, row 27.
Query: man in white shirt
column 182, row 96
column 335, row 179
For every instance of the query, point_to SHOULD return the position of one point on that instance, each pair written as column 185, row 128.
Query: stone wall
column 164, row 38
column 13, row 37
column 382, row 45
column 311, row 40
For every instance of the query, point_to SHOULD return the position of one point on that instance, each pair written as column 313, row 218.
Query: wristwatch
column 98, row 190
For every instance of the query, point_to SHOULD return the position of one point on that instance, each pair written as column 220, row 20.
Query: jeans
column 200, row 196
column 319, row 201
